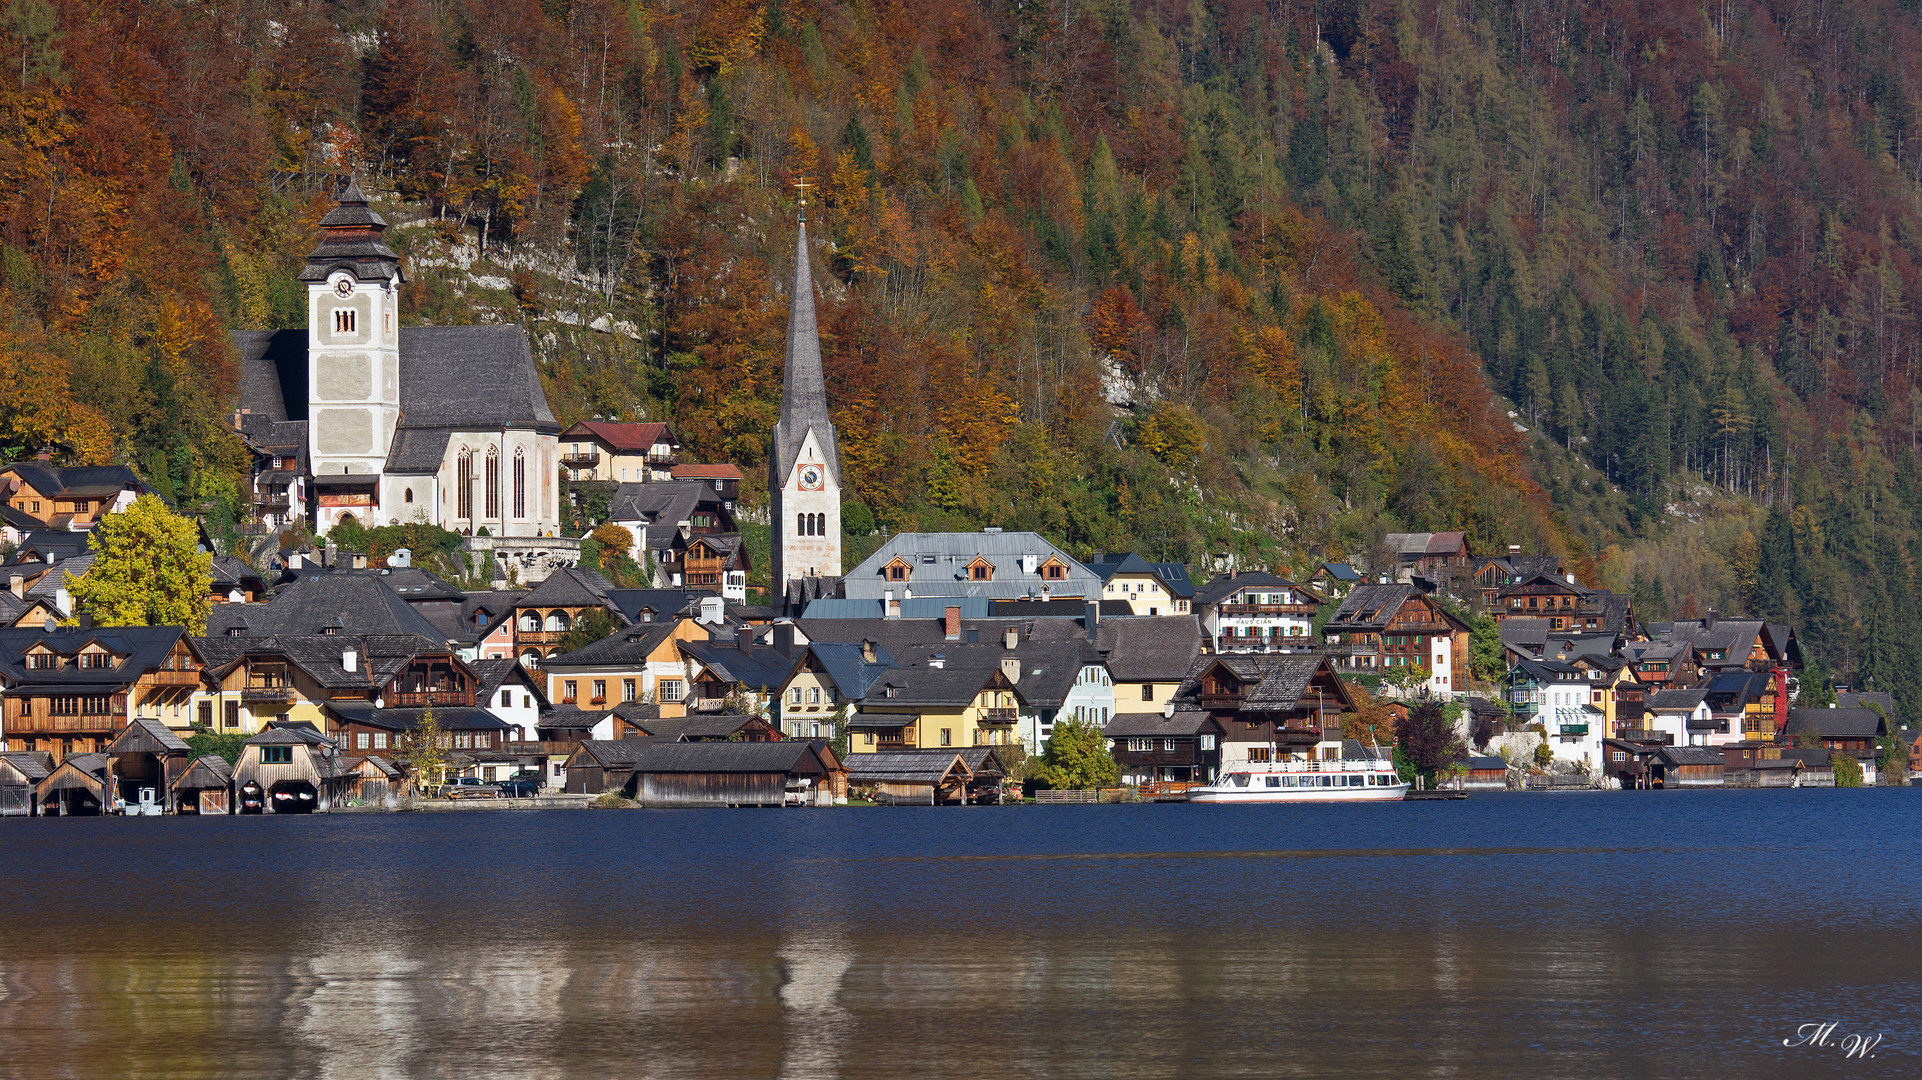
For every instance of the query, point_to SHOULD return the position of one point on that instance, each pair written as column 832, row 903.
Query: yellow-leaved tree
column 148, row 570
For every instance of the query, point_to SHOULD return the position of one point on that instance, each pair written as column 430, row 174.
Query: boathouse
column 911, row 778
column 20, row 773
column 78, row 787
column 147, row 759
column 207, row 787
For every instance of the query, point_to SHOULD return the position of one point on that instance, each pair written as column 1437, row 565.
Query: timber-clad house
column 1382, row 627
column 70, row 691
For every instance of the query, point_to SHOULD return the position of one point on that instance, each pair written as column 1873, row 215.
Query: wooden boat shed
column 20, row 774
column 148, row 758
column 912, row 778
column 665, row 773
column 207, row 787
column 80, row 786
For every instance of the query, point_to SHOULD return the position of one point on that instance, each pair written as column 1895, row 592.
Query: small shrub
column 1544, row 754
column 1848, row 771
column 612, row 800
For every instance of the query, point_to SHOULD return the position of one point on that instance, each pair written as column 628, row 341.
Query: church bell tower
column 804, row 464
column 353, row 358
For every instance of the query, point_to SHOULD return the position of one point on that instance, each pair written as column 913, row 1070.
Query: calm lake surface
column 1607, row 934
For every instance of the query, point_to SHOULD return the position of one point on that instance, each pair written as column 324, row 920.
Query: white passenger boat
column 1348, row 780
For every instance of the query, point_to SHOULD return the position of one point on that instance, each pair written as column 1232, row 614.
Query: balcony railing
column 167, row 677
column 1647, row 735
column 1266, row 609
column 267, row 695
column 998, row 716
column 539, row 637
column 41, row 725
column 415, row 699
column 1219, row 701
column 583, row 460
column 538, row 746
column 1350, row 648
column 707, row 705
column 1572, row 729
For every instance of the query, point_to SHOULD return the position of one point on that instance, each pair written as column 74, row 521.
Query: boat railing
column 1344, row 765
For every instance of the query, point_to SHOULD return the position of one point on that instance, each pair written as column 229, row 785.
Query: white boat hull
column 1298, row 795
column 1362, row 780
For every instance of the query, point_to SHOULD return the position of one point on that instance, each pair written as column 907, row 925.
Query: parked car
column 469, row 787
column 522, row 785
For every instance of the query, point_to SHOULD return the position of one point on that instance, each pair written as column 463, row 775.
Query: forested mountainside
column 1625, row 281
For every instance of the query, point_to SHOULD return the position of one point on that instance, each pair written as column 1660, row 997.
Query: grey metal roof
column 938, row 567
column 846, row 665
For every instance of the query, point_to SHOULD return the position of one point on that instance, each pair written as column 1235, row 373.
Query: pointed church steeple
column 804, row 464
column 804, row 394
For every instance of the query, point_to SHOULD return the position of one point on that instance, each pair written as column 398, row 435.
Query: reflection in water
column 815, row 1025
column 893, row 943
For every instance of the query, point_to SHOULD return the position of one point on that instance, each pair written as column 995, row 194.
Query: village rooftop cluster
column 935, row 671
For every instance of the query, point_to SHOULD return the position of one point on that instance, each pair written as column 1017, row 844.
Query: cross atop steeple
column 802, row 184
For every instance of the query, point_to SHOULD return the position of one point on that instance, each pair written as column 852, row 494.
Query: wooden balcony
column 1219, row 701
column 267, row 695
column 58, row 725
column 998, row 716
column 1248, row 610
column 586, row 459
column 538, row 746
column 1349, row 648
column 706, row 705
column 166, row 677
column 417, row 699
column 539, row 637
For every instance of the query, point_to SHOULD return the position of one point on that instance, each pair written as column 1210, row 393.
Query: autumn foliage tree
column 148, row 570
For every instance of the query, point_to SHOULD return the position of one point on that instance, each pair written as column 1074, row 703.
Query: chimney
column 1570, row 576
column 44, row 456
column 784, row 637
column 349, row 661
column 952, row 623
column 1011, row 668
column 18, row 585
column 744, row 637
column 1514, row 550
column 1010, row 637
column 1711, row 618
column 890, row 607
column 713, row 611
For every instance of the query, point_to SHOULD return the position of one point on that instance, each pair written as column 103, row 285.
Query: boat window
column 1274, row 781
column 1241, row 779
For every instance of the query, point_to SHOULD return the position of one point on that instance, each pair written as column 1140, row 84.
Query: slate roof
column 696, row 728
column 493, row 674
column 1174, row 577
column 1417, row 544
column 51, row 582
column 1369, row 607
column 142, row 649
column 156, row 731
column 1690, row 755
column 1732, row 690
column 568, row 718
column 1184, row 722
column 1279, row 680
column 570, row 586
column 658, row 756
column 1676, row 700
column 357, row 604
column 446, row 717
column 378, row 657
column 207, row 771
column 631, row 603
column 1525, row 635
column 1106, row 565
column 945, row 687
column 1837, row 723
column 762, row 667
column 852, row 674
column 611, row 753
column 1224, row 586
column 905, row 767
column 33, row 764
column 1149, row 650
column 232, row 570
column 665, row 504
column 626, row 646
column 75, row 481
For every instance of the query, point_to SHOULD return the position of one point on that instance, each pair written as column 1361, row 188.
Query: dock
column 1445, row 793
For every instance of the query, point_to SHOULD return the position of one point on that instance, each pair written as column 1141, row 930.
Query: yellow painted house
column 932, row 705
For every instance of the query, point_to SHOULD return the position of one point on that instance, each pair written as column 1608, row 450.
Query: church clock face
column 811, row 478
column 343, row 287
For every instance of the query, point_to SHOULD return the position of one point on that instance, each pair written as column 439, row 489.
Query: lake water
column 1606, row 935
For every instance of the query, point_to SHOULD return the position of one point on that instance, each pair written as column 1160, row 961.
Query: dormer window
column 95, row 660
column 981, row 569
column 41, row 661
column 1053, row 570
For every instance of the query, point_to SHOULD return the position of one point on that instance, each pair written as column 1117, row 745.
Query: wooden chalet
column 1568, row 607
column 1379, row 627
column 67, row 497
column 1174, row 746
column 70, row 691
column 1269, row 705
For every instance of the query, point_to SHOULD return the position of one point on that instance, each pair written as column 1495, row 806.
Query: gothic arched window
column 520, row 483
column 464, row 485
column 493, row 482
column 800, row 524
